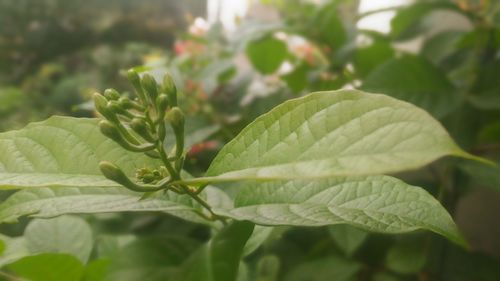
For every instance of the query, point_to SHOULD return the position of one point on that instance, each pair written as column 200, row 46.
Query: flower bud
column 176, row 118
column 111, row 131
column 135, row 80
column 112, row 172
column 140, row 127
column 161, row 105
column 100, row 104
column 111, row 94
column 170, row 89
column 149, row 84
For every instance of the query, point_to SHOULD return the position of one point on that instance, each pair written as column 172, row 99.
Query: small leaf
column 337, row 133
column 219, row 259
column 347, row 238
column 266, row 54
column 66, row 235
column 47, row 202
column 379, row 203
column 62, row 152
column 416, row 80
column 48, row 267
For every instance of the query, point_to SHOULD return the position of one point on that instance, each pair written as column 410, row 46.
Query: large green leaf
column 416, row 80
column 378, row 203
column 219, row 258
column 336, row 133
column 61, row 151
column 65, row 235
column 50, row 202
column 48, row 267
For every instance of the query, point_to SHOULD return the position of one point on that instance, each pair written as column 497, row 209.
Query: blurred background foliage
column 441, row 55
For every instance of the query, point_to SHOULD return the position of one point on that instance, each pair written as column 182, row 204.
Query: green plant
column 312, row 161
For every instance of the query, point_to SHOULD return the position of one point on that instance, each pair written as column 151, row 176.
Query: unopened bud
column 170, row 89
column 100, row 104
column 111, row 94
column 135, row 80
column 149, row 84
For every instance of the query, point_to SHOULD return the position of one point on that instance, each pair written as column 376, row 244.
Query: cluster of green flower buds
column 139, row 125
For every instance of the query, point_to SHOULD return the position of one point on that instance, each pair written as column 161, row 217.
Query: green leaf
column 336, row 133
column 65, row 235
column 486, row 175
column 152, row 258
column 15, row 249
column 326, row 27
column 408, row 21
column 347, row 238
column 368, row 58
column 441, row 45
column 50, row 202
column 297, row 78
column 219, row 259
column 62, row 152
column 48, row 267
column 406, row 256
column 416, row 80
column 96, row 270
column 379, row 203
column 266, row 54
column 258, row 237
column 324, row 269
column 268, row 268
column 486, row 88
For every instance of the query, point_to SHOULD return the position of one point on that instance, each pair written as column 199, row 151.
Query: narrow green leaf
column 416, row 80
column 266, row 54
column 336, row 133
column 379, row 203
column 48, row 267
column 61, row 152
column 219, row 259
column 65, row 235
column 50, row 202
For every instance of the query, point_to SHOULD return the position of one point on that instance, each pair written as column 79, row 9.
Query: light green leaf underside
column 64, row 234
column 336, row 133
column 50, row 202
column 379, row 203
column 61, row 151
